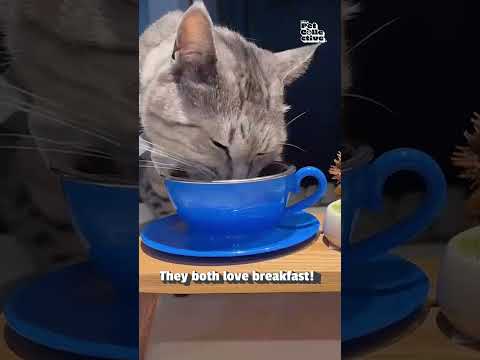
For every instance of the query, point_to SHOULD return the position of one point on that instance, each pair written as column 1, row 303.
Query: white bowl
column 458, row 289
column 332, row 226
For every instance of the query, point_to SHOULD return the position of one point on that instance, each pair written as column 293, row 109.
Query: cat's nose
column 240, row 171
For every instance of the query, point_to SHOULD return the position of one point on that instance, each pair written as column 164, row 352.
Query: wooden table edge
column 331, row 280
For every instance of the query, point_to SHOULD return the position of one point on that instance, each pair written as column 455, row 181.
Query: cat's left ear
column 291, row 64
column 194, row 50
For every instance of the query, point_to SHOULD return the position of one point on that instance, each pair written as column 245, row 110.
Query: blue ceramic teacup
column 362, row 188
column 242, row 206
column 106, row 216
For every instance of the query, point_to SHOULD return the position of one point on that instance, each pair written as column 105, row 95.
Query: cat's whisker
column 56, row 105
column 69, row 143
column 158, row 167
column 295, row 118
column 52, row 103
column 294, row 146
column 368, row 36
column 181, row 161
column 31, row 110
column 147, row 160
column 153, row 146
column 155, row 163
column 72, row 152
column 166, row 154
column 371, row 100
column 31, row 94
column 24, row 105
column 96, row 132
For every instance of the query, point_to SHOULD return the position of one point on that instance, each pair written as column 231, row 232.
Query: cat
column 72, row 93
column 69, row 62
column 211, row 102
column 57, row 52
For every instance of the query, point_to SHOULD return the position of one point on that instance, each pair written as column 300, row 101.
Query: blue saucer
column 385, row 291
column 172, row 236
column 72, row 310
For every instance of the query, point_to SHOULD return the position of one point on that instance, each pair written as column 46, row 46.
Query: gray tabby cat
column 69, row 61
column 211, row 102
column 71, row 97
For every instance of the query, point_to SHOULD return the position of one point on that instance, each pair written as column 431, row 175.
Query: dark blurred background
column 425, row 68
column 415, row 84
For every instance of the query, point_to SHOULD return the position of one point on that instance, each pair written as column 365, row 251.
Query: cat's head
column 73, row 70
column 216, row 108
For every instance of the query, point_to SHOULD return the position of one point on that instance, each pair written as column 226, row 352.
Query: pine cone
column 336, row 172
column 467, row 158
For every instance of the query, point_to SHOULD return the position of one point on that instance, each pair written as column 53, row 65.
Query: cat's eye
column 220, row 146
column 261, row 153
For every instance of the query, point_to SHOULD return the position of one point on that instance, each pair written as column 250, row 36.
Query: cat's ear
column 194, row 50
column 291, row 64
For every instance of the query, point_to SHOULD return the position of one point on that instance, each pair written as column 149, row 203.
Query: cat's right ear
column 291, row 64
column 194, row 50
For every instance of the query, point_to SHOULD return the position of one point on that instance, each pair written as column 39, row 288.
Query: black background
column 425, row 67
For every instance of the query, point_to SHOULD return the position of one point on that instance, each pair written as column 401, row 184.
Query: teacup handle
column 313, row 198
column 385, row 166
